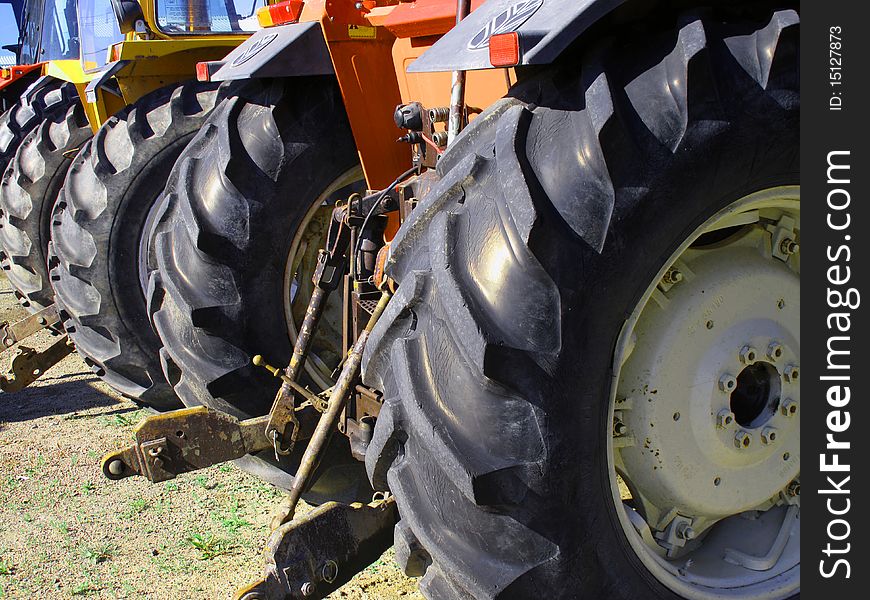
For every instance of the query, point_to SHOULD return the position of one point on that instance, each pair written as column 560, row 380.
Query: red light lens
column 202, row 73
column 504, row 49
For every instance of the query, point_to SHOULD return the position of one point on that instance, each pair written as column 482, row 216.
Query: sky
column 8, row 34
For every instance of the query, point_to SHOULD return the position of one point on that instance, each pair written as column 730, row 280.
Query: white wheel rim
column 317, row 368
column 727, row 316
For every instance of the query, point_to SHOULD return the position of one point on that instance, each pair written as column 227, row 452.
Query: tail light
column 504, row 49
column 280, row 13
column 205, row 70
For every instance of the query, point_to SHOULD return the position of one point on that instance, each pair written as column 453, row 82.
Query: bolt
column 116, row 467
column 724, row 418
column 685, row 532
column 742, row 439
column 307, row 589
column 794, row 489
column 789, row 246
column 791, row 373
column 774, row 351
column 748, row 354
column 8, row 341
column 789, row 408
column 768, row 435
column 727, row 383
column 619, row 428
column 158, row 462
column 672, row 276
column 42, row 321
column 359, row 6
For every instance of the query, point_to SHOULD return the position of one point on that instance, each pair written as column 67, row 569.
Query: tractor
column 129, row 102
column 535, row 264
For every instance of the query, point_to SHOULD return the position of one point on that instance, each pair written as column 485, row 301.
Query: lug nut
column 794, row 489
column 724, row 418
column 748, row 355
column 791, row 373
column 742, row 440
column 685, row 532
column 789, row 246
column 619, row 428
column 789, row 408
column 672, row 276
column 768, row 435
column 307, row 589
column 774, row 351
column 727, row 383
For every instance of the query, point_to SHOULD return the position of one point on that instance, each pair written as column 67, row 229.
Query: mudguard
column 296, row 49
column 545, row 27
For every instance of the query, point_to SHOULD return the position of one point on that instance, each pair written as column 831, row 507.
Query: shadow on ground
column 63, row 395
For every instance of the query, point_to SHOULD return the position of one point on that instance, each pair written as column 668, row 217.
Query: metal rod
column 457, row 88
column 328, row 419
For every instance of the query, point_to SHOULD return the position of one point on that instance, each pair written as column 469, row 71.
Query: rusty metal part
column 312, row 556
column 28, row 364
column 457, row 89
column 10, row 334
column 337, row 400
column 282, row 426
column 185, row 440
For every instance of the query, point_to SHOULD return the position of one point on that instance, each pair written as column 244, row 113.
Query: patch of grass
column 89, row 486
column 92, row 455
column 171, row 487
column 225, row 469
column 137, row 506
column 231, row 521
column 6, row 567
column 208, row 545
column 85, row 588
column 100, row 554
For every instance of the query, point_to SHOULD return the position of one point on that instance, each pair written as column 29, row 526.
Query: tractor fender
column 296, row 49
column 545, row 28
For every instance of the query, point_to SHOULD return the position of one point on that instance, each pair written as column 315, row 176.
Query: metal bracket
column 185, row 440
column 314, row 555
column 10, row 334
column 28, row 364
column 181, row 441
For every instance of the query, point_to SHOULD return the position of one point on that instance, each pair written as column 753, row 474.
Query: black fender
column 297, row 49
column 545, row 28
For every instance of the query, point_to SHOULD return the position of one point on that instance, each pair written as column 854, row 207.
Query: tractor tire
column 23, row 117
column 556, row 212
column 30, row 188
column 97, row 229
column 233, row 203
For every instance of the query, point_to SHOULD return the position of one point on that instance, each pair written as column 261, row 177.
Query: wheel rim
column 299, row 267
column 704, row 456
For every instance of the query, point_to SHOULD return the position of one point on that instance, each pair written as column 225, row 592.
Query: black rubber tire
column 41, row 98
column 233, row 203
column 555, row 210
column 97, row 227
column 29, row 190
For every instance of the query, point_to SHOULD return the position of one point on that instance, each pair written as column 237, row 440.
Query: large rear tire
column 30, row 188
column 41, row 98
column 252, row 194
column 272, row 153
column 555, row 220
column 97, row 229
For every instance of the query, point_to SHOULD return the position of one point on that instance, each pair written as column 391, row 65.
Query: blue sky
column 8, row 33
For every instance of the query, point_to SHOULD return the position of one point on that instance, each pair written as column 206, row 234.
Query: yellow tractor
column 128, row 80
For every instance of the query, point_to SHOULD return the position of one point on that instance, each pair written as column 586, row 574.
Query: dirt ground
column 65, row 531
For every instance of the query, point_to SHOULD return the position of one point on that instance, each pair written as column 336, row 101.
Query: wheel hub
column 694, row 362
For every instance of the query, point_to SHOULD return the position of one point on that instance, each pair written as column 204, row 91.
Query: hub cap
column 705, row 449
